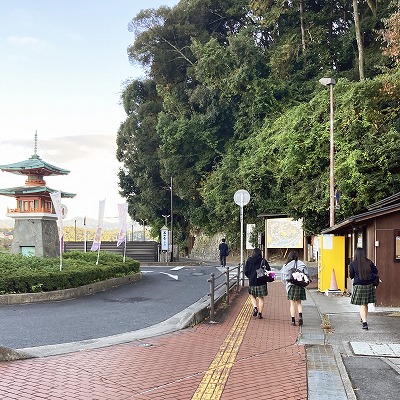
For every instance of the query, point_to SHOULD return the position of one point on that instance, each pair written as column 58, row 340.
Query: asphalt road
column 162, row 293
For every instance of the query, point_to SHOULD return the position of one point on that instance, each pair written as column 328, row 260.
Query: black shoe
column 300, row 321
column 365, row 326
column 260, row 315
column 255, row 312
column 294, row 323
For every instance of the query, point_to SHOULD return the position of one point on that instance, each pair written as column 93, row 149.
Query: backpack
column 298, row 277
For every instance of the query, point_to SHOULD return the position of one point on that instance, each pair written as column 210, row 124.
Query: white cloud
column 74, row 37
column 27, row 41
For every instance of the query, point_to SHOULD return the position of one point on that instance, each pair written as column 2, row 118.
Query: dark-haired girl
column 363, row 271
column 257, row 291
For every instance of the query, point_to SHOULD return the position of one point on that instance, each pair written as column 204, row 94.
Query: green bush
column 21, row 274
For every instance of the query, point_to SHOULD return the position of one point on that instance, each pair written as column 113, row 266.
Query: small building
column 35, row 228
column 378, row 231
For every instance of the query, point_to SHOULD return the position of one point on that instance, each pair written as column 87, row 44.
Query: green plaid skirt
column 296, row 293
column 363, row 294
column 258, row 291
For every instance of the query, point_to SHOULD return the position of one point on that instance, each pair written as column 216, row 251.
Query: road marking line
column 176, row 277
column 215, row 378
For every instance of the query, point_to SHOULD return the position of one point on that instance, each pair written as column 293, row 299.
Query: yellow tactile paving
column 214, row 380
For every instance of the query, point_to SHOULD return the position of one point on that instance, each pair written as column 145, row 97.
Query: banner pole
column 98, row 255
column 125, row 246
column 61, row 249
column 84, row 234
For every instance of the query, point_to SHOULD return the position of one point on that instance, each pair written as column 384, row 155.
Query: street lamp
column 172, row 221
column 331, row 83
column 166, row 219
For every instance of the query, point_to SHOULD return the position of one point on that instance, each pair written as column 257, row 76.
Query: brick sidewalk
column 260, row 358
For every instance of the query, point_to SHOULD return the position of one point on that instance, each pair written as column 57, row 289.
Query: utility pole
column 172, row 220
column 331, row 83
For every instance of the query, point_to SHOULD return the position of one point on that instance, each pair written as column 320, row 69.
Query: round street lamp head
column 327, row 81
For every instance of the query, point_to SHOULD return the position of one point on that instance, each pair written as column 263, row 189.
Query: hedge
column 22, row 274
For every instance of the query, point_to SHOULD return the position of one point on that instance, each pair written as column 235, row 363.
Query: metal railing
column 221, row 286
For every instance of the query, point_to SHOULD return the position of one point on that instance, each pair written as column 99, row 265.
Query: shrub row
column 21, row 274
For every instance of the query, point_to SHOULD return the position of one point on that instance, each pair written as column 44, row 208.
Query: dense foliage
column 232, row 101
column 21, row 274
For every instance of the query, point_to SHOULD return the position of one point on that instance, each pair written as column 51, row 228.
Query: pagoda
column 35, row 228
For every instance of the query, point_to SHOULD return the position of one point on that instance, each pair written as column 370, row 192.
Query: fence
column 144, row 251
column 221, row 286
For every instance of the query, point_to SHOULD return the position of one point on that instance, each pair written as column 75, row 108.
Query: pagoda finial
column 35, row 143
column 35, row 156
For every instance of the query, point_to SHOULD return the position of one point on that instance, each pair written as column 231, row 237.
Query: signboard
column 284, row 233
column 164, row 238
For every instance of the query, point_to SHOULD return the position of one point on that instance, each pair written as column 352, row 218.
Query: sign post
column 164, row 241
column 241, row 198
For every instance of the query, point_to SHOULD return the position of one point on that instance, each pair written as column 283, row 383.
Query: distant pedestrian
column 257, row 291
column 295, row 294
column 363, row 271
column 223, row 252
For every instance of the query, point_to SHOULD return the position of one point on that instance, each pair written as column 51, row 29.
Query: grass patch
column 21, row 274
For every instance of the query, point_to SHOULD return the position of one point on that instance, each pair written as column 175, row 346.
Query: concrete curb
column 7, row 354
column 343, row 375
column 192, row 315
column 57, row 295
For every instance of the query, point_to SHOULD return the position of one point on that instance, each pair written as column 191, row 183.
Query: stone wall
column 206, row 248
column 38, row 233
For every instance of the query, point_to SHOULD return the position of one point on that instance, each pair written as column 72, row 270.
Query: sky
column 63, row 66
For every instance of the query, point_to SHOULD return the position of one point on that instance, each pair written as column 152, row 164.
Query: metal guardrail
column 221, row 286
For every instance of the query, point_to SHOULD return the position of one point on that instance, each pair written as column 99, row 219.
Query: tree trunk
column 303, row 30
column 372, row 5
column 360, row 46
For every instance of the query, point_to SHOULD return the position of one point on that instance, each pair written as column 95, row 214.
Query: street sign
column 241, row 197
column 164, row 238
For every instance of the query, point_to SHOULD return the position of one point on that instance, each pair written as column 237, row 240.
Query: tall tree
column 232, row 101
column 360, row 46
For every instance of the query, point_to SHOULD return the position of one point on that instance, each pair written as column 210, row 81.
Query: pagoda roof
column 33, row 166
column 28, row 190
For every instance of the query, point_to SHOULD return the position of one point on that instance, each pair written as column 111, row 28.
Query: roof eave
column 356, row 219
